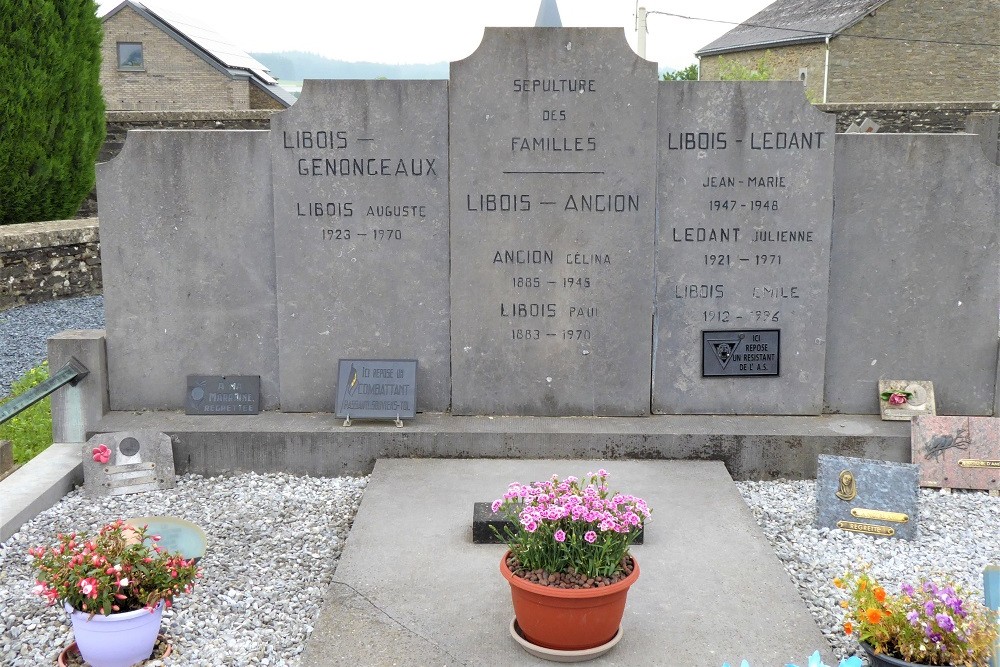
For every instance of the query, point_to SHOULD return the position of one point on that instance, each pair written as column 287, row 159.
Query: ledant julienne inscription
column 552, row 209
column 745, row 200
column 361, row 235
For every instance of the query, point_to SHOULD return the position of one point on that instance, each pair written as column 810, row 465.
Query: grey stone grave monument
column 865, row 496
column 743, row 249
column 360, row 173
column 552, row 197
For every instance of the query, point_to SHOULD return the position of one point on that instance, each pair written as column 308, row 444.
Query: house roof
column 788, row 22
column 210, row 47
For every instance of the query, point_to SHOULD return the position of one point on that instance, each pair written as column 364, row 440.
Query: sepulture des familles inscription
column 552, row 198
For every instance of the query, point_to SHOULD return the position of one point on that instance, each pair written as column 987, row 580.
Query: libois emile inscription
column 552, row 209
column 361, row 235
column 745, row 197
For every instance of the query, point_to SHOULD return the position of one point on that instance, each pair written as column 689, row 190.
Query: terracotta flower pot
column 568, row 619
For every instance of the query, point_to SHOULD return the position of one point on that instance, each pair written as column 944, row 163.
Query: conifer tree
column 51, row 109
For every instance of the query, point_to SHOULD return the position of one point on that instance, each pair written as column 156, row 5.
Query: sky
column 431, row 31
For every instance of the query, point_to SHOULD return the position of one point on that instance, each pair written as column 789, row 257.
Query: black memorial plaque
column 222, row 395
column 377, row 388
column 740, row 352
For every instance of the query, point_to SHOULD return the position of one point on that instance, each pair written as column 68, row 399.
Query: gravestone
column 743, row 249
column 552, row 197
column 957, row 452
column 360, row 174
column 187, row 258
column 127, row 462
column 864, row 496
column 913, row 285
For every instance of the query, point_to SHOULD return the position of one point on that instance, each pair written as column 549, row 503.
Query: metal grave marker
column 734, row 352
column 865, row 496
column 127, row 462
column 376, row 389
column 222, row 395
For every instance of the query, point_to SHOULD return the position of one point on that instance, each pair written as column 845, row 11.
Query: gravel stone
column 274, row 542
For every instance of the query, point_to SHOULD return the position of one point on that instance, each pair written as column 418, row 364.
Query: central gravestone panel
column 552, row 215
column 743, row 249
column 361, row 235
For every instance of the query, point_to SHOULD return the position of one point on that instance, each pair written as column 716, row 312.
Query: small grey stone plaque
column 127, row 462
column 552, row 219
column 743, row 242
column 377, row 388
column 222, row 395
column 865, row 496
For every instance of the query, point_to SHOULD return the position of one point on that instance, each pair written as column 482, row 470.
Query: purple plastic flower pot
column 117, row 640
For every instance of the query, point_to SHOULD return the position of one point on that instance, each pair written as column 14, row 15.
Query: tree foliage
column 759, row 70
column 51, row 109
column 689, row 73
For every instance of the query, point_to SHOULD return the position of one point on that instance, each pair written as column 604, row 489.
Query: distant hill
column 299, row 65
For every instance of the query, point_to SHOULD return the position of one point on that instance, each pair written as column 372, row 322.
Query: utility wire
column 823, row 34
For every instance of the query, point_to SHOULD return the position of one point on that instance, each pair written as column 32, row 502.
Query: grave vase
column 882, row 660
column 568, row 619
column 116, row 640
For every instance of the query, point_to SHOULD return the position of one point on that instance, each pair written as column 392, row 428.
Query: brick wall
column 785, row 64
column 261, row 100
column 879, row 70
column 41, row 261
column 174, row 78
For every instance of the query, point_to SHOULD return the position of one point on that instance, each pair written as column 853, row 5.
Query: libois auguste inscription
column 361, row 234
column 552, row 209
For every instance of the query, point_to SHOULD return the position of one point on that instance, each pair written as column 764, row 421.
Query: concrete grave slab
column 957, row 452
column 361, row 235
column 187, row 255
column 745, row 195
column 552, row 214
column 127, row 462
column 866, row 496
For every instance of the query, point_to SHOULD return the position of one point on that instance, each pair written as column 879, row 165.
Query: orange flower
column 873, row 615
column 848, row 628
column 843, row 603
column 879, row 593
column 838, row 583
column 863, row 584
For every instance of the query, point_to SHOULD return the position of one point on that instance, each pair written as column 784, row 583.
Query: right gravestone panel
column 745, row 200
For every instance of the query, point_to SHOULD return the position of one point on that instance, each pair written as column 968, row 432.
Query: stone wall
column 786, row 64
column 41, row 261
column 174, row 77
column 953, row 55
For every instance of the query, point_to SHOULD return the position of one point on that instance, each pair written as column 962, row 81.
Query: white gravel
column 273, row 545
column 959, row 535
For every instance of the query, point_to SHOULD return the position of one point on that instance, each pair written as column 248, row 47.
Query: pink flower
column 560, row 536
column 590, row 536
column 89, row 587
column 102, row 454
column 531, row 526
column 897, row 399
column 496, row 505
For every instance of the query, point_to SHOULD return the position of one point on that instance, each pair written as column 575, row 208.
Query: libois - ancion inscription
column 552, row 209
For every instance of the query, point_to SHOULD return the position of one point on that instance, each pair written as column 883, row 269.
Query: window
column 130, row 56
column 803, row 75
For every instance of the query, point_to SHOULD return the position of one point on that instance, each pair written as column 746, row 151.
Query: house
column 155, row 60
column 872, row 51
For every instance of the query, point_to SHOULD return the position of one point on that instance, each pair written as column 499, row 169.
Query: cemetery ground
column 275, row 543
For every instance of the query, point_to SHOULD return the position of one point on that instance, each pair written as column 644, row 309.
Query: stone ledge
column 30, row 235
column 163, row 116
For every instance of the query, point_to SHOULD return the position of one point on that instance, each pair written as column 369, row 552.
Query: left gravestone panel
column 187, row 251
column 361, row 235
